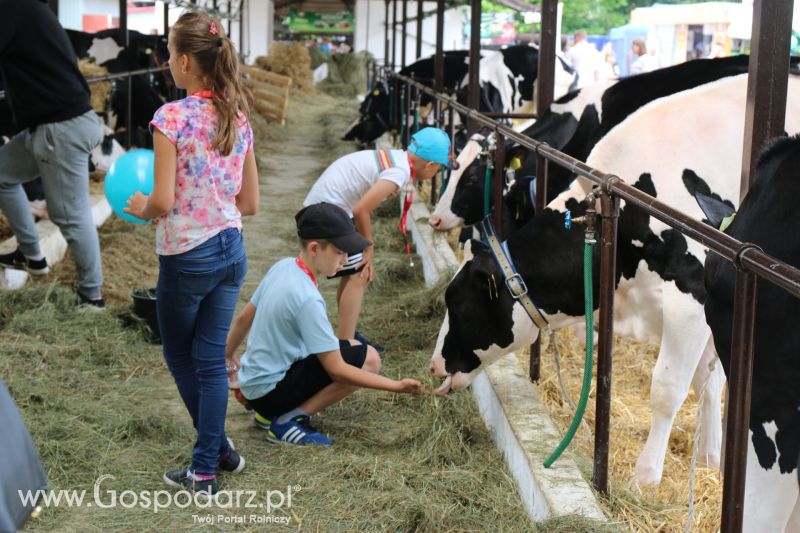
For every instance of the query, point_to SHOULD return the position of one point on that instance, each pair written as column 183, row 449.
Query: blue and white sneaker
column 297, row 431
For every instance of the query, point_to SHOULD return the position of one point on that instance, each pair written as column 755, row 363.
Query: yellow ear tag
column 376, row 92
column 515, row 164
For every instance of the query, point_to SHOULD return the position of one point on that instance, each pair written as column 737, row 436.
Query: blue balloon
column 131, row 172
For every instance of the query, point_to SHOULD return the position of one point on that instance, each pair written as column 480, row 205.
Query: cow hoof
column 709, row 460
column 645, row 476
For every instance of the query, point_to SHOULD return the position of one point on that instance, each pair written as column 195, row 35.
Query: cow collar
column 514, row 282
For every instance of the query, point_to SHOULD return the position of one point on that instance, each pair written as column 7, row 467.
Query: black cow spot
column 667, row 254
column 764, row 447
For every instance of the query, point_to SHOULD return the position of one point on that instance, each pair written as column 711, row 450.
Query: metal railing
column 750, row 262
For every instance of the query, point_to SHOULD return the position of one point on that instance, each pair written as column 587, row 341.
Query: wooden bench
column 271, row 92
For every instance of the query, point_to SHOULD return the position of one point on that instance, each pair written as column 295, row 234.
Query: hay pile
column 5, row 229
column 347, row 74
column 663, row 508
column 291, row 60
column 100, row 91
column 129, row 260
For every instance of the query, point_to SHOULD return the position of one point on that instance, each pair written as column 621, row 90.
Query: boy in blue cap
column 360, row 182
column 294, row 365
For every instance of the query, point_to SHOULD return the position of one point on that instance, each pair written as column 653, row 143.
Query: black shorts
column 349, row 267
column 304, row 379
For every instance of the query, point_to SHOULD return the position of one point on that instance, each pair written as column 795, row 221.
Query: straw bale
column 291, row 60
column 100, row 91
column 347, row 74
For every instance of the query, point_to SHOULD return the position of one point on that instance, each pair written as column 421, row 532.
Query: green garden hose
column 587, row 369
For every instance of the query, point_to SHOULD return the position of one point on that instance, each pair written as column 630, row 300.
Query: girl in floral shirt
column 205, row 180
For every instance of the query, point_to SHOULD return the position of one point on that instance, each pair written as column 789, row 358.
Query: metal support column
column 739, row 388
column 166, row 19
column 394, row 34
column 405, row 34
column 767, row 80
column 499, row 182
column 544, row 97
column 123, row 26
column 419, row 29
column 473, row 100
column 438, row 61
column 605, row 342
column 386, row 36
column 242, row 9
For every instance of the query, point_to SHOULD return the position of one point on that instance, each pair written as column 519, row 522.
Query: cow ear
column 714, row 209
column 482, row 260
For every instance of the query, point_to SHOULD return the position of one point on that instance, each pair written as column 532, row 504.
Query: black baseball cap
column 331, row 223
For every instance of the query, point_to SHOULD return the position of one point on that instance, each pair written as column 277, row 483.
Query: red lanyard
column 409, row 198
column 205, row 93
column 304, row 268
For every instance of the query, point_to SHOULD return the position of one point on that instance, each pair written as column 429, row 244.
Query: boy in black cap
column 294, row 366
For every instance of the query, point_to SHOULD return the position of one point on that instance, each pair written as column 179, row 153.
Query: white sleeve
column 396, row 175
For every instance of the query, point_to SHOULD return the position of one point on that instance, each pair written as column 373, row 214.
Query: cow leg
column 684, row 336
column 770, row 498
column 709, row 374
column 794, row 518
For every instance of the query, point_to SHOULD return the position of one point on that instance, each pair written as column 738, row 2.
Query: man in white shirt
column 585, row 59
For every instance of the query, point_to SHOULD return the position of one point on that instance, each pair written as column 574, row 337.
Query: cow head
column 374, row 118
column 484, row 322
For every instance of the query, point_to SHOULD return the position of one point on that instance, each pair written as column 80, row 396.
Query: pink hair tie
column 212, row 29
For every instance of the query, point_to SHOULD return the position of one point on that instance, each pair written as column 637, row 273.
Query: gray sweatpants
column 59, row 153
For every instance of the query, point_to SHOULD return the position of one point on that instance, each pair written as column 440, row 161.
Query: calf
column 659, row 280
column 767, row 218
column 574, row 124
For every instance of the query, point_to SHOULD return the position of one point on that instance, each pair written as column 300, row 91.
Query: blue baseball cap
column 432, row 144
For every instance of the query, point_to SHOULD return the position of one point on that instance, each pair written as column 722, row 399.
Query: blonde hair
column 203, row 38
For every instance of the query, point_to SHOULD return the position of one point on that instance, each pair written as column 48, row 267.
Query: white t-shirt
column 586, row 60
column 348, row 178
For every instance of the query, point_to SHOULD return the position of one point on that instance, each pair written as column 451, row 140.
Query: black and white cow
column 574, row 124
column 507, row 84
column 767, row 217
column 107, row 48
column 662, row 148
column 374, row 119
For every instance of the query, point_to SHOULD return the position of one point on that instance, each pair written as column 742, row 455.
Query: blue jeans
column 196, row 298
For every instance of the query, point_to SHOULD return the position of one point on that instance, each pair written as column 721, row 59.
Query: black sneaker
column 182, row 478
column 90, row 303
column 16, row 259
column 231, row 462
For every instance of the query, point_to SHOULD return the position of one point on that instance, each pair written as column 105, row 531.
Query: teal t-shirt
column 290, row 324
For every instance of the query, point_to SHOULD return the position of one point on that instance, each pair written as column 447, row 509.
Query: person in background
column 585, row 59
column 58, row 128
column 642, row 60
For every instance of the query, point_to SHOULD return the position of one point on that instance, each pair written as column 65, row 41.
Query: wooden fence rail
column 271, row 92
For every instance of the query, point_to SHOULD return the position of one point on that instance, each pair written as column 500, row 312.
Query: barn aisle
column 100, row 402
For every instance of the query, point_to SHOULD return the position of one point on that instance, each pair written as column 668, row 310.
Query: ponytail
column 203, row 38
column 231, row 98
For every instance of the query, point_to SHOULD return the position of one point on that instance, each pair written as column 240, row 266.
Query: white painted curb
column 52, row 243
column 510, row 407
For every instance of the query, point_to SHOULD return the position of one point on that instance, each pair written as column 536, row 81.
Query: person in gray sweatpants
column 57, row 129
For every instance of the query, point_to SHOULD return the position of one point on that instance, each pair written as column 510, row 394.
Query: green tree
column 599, row 16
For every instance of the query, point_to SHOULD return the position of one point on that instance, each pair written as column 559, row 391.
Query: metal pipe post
column 405, row 34
column 438, row 61
column 419, row 29
column 739, row 388
column 474, row 60
column 394, row 34
column 499, row 182
column 767, row 80
column 386, row 35
column 605, row 343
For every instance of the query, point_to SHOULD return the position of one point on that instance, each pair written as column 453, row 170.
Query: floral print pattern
column 206, row 183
